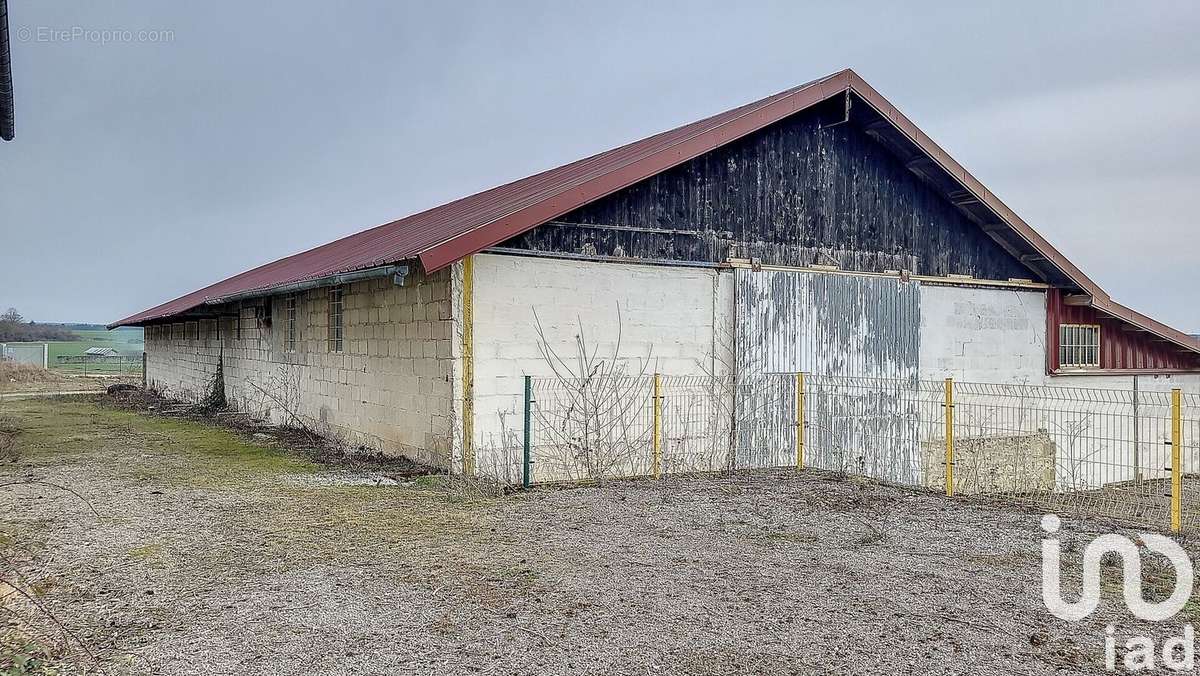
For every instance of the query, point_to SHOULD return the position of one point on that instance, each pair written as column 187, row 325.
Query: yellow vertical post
column 657, row 457
column 1176, row 454
column 800, row 421
column 468, row 365
column 949, row 437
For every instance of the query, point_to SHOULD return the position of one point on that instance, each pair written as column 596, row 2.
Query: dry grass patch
column 11, row 372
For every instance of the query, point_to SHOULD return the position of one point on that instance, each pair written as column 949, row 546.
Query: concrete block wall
column 674, row 320
column 979, row 334
column 1015, row 463
column 397, row 384
column 390, row 388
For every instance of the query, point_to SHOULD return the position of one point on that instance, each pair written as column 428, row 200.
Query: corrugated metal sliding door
column 858, row 337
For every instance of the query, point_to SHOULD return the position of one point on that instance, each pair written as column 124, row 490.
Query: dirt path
column 52, row 393
column 211, row 555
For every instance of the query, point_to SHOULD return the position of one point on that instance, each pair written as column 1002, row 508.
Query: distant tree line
column 14, row 329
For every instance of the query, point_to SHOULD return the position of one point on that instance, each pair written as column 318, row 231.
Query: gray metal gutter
column 398, row 271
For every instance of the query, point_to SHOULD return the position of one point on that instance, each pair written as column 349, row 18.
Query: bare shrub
column 592, row 417
column 280, row 393
column 214, row 399
column 27, row 606
column 876, row 513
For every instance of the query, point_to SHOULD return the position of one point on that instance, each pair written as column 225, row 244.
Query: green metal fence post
column 527, row 460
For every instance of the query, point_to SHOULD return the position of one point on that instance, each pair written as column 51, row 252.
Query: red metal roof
column 444, row 234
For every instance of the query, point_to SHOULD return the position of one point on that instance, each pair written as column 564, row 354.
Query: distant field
column 126, row 340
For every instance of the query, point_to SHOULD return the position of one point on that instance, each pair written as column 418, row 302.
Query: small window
column 1078, row 345
column 335, row 319
column 262, row 314
column 289, row 316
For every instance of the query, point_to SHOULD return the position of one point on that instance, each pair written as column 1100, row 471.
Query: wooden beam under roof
column 961, row 197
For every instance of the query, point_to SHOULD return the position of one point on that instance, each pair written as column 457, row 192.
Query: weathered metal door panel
column 853, row 328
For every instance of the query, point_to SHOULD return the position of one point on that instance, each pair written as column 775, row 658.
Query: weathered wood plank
column 795, row 193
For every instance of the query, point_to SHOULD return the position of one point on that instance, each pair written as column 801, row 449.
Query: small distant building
column 101, row 352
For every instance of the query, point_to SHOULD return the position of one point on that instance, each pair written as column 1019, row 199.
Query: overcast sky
column 216, row 136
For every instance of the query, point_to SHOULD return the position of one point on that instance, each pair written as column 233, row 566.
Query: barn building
column 816, row 230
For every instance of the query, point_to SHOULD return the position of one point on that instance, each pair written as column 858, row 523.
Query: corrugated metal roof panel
column 438, row 236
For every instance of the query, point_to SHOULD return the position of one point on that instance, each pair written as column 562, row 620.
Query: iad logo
column 1131, row 561
column 1178, row 652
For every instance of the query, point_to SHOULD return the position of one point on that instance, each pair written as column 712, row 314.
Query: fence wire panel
column 765, row 421
column 592, row 428
column 697, row 423
column 1098, row 451
column 885, row 429
column 1105, row 452
column 1190, row 455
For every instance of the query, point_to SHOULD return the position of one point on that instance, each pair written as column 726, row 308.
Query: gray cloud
column 145, row 169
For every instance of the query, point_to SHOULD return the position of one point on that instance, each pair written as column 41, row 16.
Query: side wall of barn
column 389, row 388
column 546, row 317
column 535, row 316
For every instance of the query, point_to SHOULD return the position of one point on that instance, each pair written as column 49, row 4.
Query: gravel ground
column 211, row 555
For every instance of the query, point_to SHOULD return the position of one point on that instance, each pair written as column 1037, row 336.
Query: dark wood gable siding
column 806, row 190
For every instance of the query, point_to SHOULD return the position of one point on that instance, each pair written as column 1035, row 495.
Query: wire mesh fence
column 1125, row 454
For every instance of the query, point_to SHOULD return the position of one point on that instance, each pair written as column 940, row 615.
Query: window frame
column 336, row 310
column 291, row 332
column 1075, row 350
